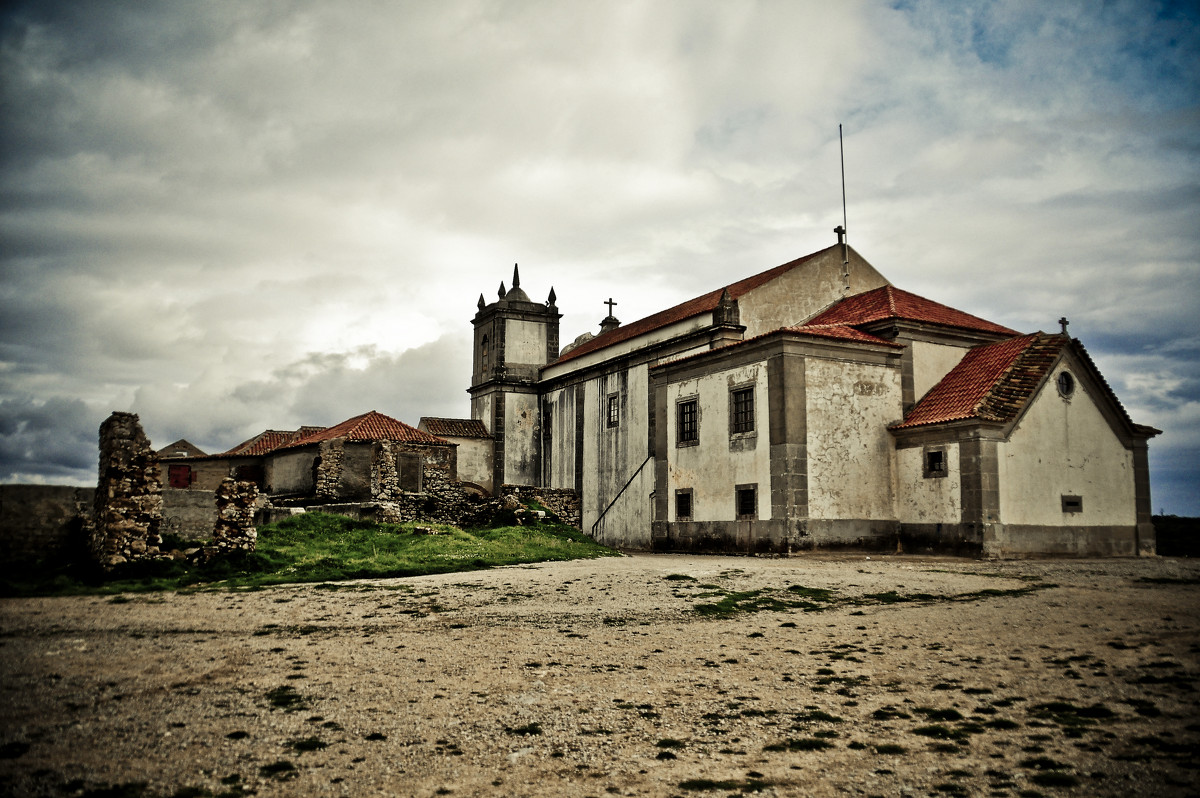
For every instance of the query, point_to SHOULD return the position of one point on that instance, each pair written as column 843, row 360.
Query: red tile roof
column 990, row 383
column 686, row 310
column 890, row 302
column 268, row 441
column 842, row 332
column 454, row 427
column 370, row 426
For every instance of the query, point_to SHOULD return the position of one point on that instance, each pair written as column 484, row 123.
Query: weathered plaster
column 928, row 500
column 804, row 291
column 932, row 362
column 525, row 343
column 713, row 467
column 849, row 449
column 522, row 435
column 1065, row 447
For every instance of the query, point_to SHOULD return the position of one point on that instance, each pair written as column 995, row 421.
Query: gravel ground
column 913, row 676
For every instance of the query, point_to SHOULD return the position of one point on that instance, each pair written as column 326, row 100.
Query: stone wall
column 39, row 521
column 189, row 514
column 234, row 529
column 329, row 468
column 128, row 502
column 562, row 502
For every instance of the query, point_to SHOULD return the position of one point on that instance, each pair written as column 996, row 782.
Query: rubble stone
column 128, row 501
column 234, row 530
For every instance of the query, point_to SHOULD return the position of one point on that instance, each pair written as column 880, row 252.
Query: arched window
column 483, row 356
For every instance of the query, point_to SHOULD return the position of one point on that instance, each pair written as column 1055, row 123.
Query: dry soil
column 917, row 676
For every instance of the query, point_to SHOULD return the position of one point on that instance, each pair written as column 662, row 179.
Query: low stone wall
column 190, row 514
column 563, row 502
column 39, row 521
column 442, row 501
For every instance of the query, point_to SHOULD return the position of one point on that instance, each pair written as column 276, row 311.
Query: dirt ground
column 913, row 676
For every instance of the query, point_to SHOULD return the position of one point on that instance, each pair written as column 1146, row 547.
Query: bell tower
column 514, row 338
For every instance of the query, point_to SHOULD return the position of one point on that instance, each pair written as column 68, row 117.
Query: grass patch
column 286, row 698
column 319, row 547
column 813, row 599
column 307, row 744
column 281, row 769
column 528, row 730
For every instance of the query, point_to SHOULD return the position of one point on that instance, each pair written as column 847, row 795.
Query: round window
column 1066, row 384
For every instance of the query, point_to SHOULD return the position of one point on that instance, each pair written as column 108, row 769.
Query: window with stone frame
column 741, row 410
column 687, row 424
column 683, row 504
column 934, row 463
column 614, row 409
column 746, row 502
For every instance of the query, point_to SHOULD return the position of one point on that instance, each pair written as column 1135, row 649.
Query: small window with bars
column 746, row 502
column 935, row 463
column 683, row 505
column 741, row 410
column 688, row 426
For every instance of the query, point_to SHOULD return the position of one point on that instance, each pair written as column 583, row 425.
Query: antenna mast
column 845, row 224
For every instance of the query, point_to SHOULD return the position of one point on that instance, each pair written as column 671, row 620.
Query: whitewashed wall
column 933, row 500
column 1066, row 447
column 850, row 406
column 931, row 362
column 713, row 468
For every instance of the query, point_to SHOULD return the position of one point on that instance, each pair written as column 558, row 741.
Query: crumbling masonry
column 128, row 504
column 234, row 530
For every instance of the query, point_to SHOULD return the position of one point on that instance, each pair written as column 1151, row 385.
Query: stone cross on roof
column 610, row 304
column 1063, row 321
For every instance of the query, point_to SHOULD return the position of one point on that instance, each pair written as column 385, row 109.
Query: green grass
column 318, row 547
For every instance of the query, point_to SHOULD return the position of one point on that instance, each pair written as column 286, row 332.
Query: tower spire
column 516, row 277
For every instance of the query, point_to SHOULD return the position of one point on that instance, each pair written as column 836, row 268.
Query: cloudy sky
column 233, row 216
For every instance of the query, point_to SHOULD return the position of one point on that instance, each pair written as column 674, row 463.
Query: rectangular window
column 683, row 505
column 687, row 429
column 614, row 409
column 1072, row 504
column 746, row 498
column 741, row 410
column 935, row 463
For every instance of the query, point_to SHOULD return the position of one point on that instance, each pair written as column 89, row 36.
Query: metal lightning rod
column 845, row 223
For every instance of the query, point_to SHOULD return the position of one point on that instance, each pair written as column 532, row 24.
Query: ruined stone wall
column 128, row 501
column 234, row 529
column 188, row 513
column 329, row 468
column 563, row 502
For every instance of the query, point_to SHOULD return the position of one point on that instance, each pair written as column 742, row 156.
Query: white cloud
column 232, row 216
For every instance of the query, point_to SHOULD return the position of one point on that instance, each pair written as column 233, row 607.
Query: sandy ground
column 600, row 678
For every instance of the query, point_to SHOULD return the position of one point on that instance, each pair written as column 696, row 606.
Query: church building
column 813, row 405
